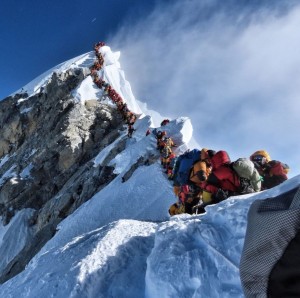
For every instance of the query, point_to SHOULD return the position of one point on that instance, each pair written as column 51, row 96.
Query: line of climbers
column 204, row 177
column 207, row 177
column 165, row 146
column 127, row 115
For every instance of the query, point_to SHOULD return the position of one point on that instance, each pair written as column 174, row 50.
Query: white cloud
column 235, row 71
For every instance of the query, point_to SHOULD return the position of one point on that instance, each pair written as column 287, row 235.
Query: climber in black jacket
column 270, row 263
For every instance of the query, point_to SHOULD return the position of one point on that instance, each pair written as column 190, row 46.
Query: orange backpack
column 198, row 171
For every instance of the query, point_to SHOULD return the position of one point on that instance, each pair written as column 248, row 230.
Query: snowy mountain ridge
column 98, row 235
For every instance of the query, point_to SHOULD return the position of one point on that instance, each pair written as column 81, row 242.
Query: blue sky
column 233, row 68
column 36, row 35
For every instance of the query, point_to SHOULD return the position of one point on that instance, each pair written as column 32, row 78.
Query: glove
column 220, row 196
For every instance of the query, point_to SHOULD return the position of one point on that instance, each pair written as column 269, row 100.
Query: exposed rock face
column 47, row 142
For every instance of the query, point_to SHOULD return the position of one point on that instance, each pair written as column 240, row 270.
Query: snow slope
column 111, row 73
column 122, row 243
column 187, row 256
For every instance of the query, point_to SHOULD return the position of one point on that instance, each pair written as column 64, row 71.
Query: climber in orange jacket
column 202, row 168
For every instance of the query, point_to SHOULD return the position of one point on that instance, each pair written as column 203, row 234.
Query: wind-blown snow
column 122, row 242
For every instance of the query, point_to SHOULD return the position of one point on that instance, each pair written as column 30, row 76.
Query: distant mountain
column 85, row 208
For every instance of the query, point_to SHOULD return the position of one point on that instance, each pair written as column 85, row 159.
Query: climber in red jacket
column 222, row 182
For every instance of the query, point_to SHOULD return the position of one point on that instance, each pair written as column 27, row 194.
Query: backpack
column 199, row 172
column 154, row 132
column 226, row 178
column 219, row 159
column 249, row 176
column 186, row 162
column 277, row 168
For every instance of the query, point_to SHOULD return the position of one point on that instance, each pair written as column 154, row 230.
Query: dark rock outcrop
column 47, row 144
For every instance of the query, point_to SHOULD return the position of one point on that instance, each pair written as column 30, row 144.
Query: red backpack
column 219, row 159
column 277, row 168
column 222, row 174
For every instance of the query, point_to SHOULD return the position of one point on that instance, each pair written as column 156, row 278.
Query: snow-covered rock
column 85, row 209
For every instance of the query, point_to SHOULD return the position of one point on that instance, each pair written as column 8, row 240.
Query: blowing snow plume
column 232, row 68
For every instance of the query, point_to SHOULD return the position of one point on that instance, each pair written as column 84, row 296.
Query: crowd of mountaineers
column 204, row 177
column 200, row 177
column 112, row 94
